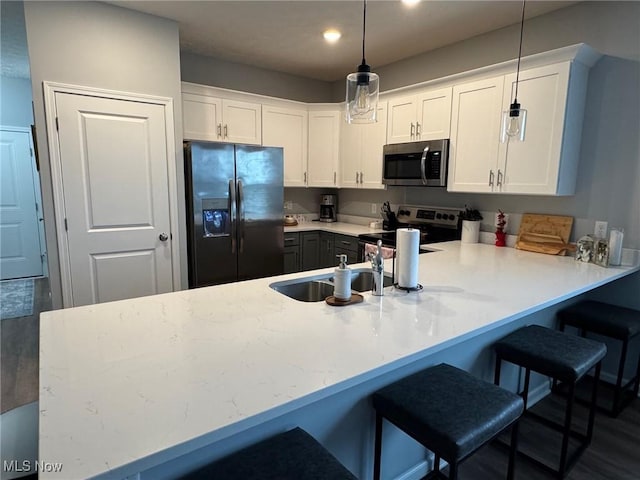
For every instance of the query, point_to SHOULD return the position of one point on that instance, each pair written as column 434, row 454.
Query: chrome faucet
column 377, row 267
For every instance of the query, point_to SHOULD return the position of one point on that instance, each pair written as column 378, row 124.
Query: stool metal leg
column 378, row 448
column 436, row 463
column 567, row 431
column 525, row 392
column 513, row 450
column 453, row 471
column 636, row 389
column 496, row 376
column 615, row 409
column 594, row 397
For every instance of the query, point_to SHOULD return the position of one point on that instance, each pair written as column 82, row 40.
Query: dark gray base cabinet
column 344, row 244
column 312, row 250
column 291, row 252
column 309, row 251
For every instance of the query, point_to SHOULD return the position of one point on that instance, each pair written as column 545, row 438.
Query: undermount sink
column 319, row 287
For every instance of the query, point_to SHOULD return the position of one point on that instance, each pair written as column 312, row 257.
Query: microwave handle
column 423, row 165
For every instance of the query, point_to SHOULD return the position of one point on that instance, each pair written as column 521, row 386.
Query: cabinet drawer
column 291, row 239
column 345, row 242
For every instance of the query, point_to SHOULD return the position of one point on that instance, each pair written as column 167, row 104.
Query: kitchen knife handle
column 241, row 219
column 491, row 178
column 232, row 213
column 499, row 182
column 423, row 164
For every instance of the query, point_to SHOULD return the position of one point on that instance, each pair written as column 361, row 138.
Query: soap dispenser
column 342, row 280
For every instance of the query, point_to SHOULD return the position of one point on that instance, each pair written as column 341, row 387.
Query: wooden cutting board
column 545, row 234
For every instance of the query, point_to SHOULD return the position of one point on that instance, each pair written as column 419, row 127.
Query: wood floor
column 614, row 453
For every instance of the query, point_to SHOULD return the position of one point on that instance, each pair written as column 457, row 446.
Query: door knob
column 163, row 237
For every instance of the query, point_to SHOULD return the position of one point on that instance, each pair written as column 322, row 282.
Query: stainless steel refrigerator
column 235, row 207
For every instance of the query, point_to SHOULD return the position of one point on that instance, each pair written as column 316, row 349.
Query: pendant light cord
column 519, row 51
column 364, row 29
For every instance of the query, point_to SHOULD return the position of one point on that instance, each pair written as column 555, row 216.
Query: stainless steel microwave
column 416, row 163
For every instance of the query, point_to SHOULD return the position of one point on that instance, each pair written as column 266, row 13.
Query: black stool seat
column 618, row 323
column 562, row 357
column 551, row 353
column 449, row 411
column 609, row 320
column 292, row 455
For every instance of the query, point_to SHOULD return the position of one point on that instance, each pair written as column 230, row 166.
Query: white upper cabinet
column 323, row 148
column 475, row 133
column 422, row 116
column 288, row 128
column 218, row 119
column 361, row 152
column 545, row 163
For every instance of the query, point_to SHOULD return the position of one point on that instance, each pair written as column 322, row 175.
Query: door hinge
column 37, row 208
column 66, row 225
column 57, row 124
column 31, row 152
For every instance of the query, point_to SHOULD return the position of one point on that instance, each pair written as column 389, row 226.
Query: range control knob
column 438, row 216
column 452, row 217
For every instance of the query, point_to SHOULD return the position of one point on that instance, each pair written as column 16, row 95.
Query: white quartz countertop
column 136, row 382
column 333, row 227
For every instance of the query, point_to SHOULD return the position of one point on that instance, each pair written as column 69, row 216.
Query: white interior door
column 113, row 156
column 19, row 235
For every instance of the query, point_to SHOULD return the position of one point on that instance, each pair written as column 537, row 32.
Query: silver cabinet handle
column 491, row 178
column 163, row 237
column 361, row 178
column 335, row 177
column 418, row 132
column 357, row 181
column 413, row 129
column 499, row 182
column 226, row 131
column 219, row 129
column 305, row 178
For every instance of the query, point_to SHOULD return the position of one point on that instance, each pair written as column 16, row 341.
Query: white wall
column 15, row 107
column 103, row 46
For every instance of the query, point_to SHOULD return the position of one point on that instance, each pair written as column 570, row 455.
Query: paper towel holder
column 417, row 288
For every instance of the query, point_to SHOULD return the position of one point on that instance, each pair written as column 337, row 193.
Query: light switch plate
column 600, row 230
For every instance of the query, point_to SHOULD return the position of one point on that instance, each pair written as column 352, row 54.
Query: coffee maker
column 328, row 208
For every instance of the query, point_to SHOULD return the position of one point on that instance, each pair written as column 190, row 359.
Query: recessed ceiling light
column 332, row 35
column 410, row 3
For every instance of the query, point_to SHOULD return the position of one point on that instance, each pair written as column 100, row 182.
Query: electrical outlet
column 374, row 208
column 288, row 205
column 600, row 230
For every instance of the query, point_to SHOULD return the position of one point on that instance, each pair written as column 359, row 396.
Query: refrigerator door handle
column 241, row 214
column 232, row 213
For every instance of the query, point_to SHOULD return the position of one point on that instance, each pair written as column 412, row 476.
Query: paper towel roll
column 408, row 246
column 615, row 246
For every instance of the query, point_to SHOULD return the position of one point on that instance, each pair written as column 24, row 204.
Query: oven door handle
column 423, row 165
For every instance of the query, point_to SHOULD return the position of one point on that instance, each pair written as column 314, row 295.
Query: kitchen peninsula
column 141, row 385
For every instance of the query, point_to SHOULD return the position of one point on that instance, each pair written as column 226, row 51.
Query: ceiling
column 286, row 36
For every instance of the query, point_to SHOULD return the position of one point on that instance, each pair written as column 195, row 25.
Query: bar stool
column 292, row 455
column 449, row 412
column 559, row 356
column 611, row 321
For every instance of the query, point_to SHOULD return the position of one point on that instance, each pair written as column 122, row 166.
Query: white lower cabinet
column 361, row 152
column 546, row 162
column 322, row 168
column 288, row 128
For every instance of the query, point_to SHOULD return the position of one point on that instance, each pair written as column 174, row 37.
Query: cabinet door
column 434, row 114
column 242, row 122
column 323, row 149
column 201, row 116
column 533, row 166
column 287, row 128
column 327, row 257
column 310, row 251
column 475, row 128
column 401, row 123
column 373, row 139
column 350, row 154
column 291, row 259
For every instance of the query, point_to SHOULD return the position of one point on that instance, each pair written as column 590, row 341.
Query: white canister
column 615, row 246
column 470, row 231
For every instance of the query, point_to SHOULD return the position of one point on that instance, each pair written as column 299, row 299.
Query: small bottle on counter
column 342, row 280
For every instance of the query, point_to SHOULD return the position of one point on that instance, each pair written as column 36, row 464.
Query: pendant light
column 362, row 88
column 514, row 120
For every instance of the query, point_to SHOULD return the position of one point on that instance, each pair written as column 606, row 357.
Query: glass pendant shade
column 514, row 122
column 363, row 88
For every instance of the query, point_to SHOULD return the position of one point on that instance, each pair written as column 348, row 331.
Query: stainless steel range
column 436, row 224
